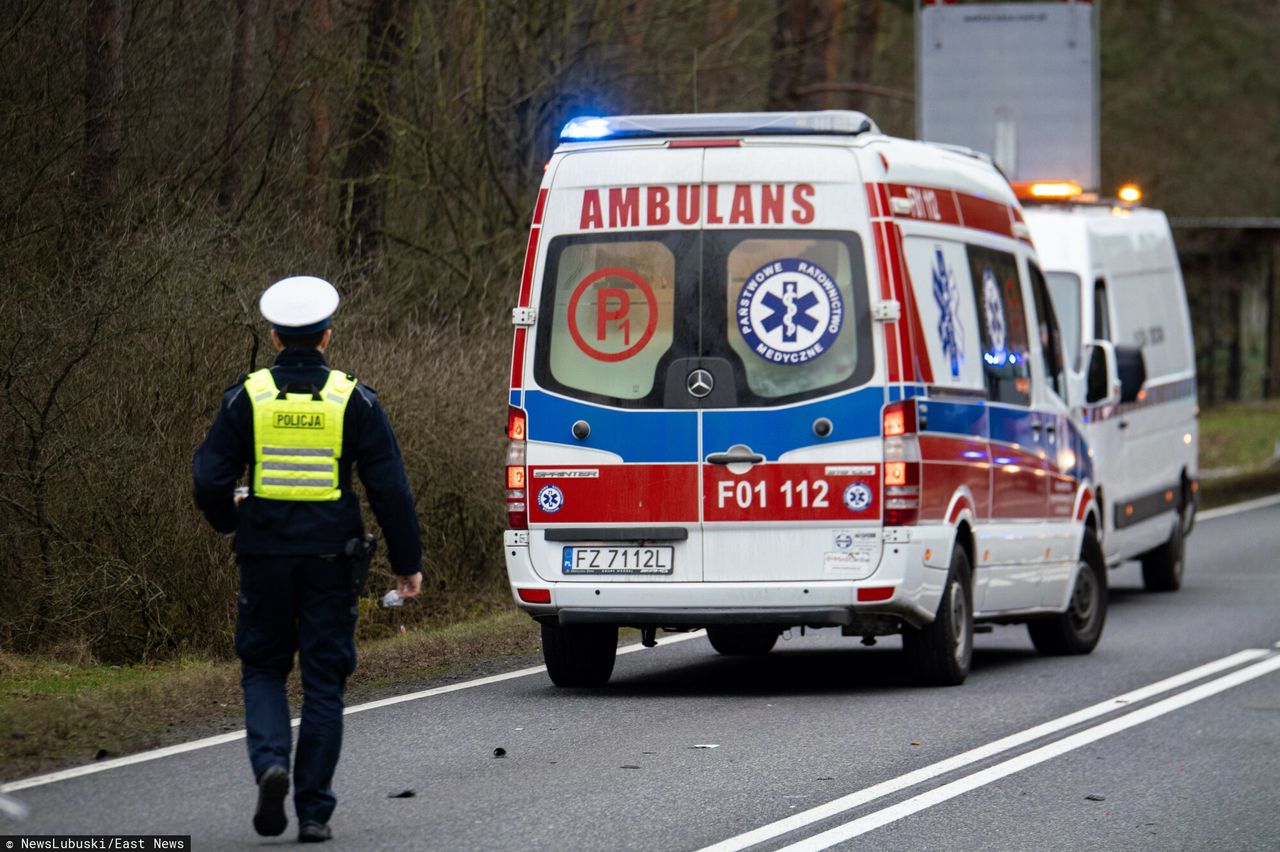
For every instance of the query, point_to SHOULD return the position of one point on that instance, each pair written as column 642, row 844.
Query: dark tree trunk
column 805, row 52
column 318, row 102
column 242, row 50
column 103, row 85
column 369, row 144
column 866, row 27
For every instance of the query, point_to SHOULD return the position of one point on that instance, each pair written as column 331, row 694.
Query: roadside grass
column 1239, row 435
column 1238, row 488
column 56, row 712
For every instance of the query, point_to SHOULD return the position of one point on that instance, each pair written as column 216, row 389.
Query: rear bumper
column 909, row 583
column 710, row 617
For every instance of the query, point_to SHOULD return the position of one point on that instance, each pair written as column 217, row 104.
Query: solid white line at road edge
column 959, row 761
column 219, row 739
column 883, row 817
column 1237, row 508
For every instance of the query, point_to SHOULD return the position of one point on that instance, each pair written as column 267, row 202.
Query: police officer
column 300, row 427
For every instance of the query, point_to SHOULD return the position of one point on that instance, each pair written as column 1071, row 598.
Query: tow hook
column 649, row 637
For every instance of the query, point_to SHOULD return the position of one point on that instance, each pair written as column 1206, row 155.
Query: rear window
column 623, row 318
column 612, row 316
column 787, row 314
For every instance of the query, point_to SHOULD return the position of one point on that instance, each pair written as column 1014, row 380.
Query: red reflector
column 540, row 596
column 875, row 593
column 704, row 143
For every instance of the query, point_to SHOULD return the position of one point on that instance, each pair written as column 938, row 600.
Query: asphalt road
column 1192, row 763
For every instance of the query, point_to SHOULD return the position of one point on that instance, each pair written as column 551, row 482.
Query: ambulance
column 779, row 370
column 1115, row 283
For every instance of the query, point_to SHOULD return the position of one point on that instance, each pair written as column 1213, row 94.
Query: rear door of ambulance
column 612, row 455
column 704, row 320
column 791, row 444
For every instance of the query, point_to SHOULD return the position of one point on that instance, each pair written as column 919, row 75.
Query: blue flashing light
column 586, row 127
column 823, row 122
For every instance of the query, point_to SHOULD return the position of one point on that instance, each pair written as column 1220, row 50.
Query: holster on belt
column 359, row 553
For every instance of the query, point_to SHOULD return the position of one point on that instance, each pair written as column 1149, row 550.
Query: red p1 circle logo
column 613, row 319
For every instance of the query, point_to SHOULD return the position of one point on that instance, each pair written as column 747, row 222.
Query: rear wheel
column 939, row 653
column 1077, row 630
column 1162, row 567
column 742, row 641
column 581, row 655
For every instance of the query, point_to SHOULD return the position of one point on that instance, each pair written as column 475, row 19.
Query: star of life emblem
column 993, row 308
column 857, row 497
column 550, row 499
column 947, row 295
column 789, row 311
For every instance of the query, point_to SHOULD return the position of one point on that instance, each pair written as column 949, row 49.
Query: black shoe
column 273, row 785
column 314, row 832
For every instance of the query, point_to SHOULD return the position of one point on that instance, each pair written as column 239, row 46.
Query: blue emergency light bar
column 826, row 122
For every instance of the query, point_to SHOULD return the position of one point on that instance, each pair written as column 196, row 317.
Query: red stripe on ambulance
column 617, row 493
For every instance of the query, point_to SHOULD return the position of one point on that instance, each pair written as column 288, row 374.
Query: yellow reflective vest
column 297, row 438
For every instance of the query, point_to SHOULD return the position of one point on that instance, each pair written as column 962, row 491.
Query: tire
column 1162, row 567
column 742, row 641
column 1077, row 630
column 939, row 653
column 581, row 655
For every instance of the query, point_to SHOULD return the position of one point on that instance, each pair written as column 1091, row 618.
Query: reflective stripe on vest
column 297, row 438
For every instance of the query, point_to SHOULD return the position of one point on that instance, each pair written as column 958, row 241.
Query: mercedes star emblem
column 700, row 383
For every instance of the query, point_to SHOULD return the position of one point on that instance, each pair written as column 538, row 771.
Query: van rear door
column 790, row 444
column 612, row 456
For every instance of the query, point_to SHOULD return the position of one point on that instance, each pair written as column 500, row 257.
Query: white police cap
column 299, row 305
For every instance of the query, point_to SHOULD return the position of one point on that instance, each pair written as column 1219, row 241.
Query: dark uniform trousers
column 304, row 604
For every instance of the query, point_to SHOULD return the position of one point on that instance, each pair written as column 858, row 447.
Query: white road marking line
column 880, row 818
column 219, row 739
column 959, row 761
column 1237, row 508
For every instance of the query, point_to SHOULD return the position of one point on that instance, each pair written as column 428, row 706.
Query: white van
column 1114, row 277
column 776, row 370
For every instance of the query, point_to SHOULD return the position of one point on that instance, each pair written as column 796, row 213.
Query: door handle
column 1124, row 424
column 735, row 458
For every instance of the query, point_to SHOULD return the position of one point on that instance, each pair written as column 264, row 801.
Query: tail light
column 901, row 464
column 517, row 434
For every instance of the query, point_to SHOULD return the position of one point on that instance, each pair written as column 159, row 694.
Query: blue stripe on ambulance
column 637, row 436
column 966, row 419
column 774, row 431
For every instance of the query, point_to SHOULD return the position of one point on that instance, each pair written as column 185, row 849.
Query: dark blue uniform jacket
column 283, row 527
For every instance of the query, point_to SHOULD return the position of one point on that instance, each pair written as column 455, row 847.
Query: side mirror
column 1132, row 368
column 1102, row 379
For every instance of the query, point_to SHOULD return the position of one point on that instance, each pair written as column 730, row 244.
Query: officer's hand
column 409, row 586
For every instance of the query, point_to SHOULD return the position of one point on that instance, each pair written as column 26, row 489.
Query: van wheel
column 939, row 653
column 1077, row 630
column 1162, row 567
column 742, row 641
column 581, row 655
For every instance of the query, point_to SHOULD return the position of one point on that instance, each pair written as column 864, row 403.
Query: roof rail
column 825, row 122
column 968, row 152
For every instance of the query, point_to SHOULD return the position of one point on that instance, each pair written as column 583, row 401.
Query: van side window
column 998, row 291
column 1064, row 292
column 1101, row 316
column 1050, row 337
column 611, row 302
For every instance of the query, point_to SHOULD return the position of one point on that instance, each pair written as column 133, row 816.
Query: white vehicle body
column 1114, row 275
column 679, row 461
